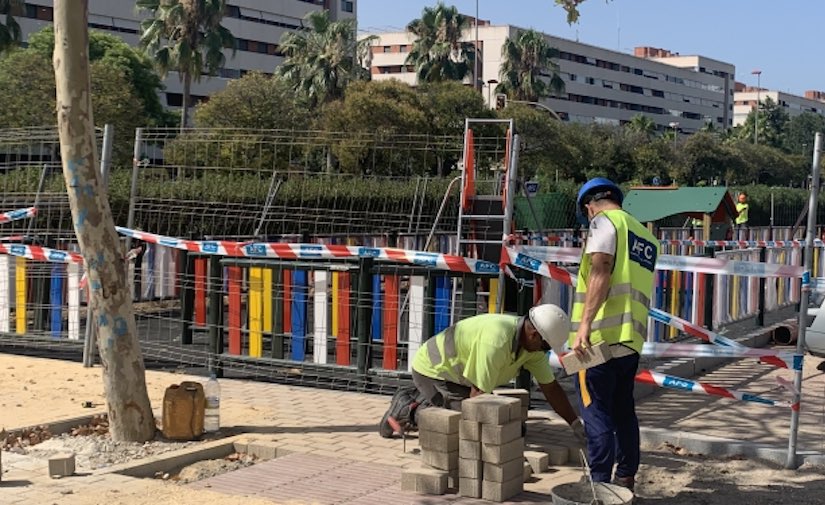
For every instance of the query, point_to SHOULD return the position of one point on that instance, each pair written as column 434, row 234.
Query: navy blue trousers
column 609, row 415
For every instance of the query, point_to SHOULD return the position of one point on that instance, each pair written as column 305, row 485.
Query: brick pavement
column 324, row 425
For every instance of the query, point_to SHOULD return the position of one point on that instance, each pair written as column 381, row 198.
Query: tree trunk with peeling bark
column 124, row 379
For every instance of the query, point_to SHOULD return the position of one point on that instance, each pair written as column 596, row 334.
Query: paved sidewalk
column 699, row 415
column 339, row 429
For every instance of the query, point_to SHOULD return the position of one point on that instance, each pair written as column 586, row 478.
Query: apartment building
column 745, row 99
column 256, row 24
column 601, row 85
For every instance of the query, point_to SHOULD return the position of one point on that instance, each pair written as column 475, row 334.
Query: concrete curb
column 725, row 447
column 61, row 426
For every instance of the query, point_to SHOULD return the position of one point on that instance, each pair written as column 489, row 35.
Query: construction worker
column 742, row 208
column 479, row 354
column 611, row 304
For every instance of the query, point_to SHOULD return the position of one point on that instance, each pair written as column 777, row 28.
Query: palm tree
column 10, row 30
column 438, row 54
column 642, row 124
column 526, row 61
column 185, row 36
column 322, row 61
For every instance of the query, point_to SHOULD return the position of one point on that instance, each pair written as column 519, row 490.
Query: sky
column 778, row 37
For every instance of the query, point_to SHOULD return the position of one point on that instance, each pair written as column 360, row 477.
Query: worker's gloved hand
column 578, row 431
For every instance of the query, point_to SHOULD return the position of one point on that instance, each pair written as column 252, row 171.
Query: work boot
column 399, row 416
column 628, row 482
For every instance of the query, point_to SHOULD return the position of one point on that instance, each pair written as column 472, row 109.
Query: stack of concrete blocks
column 524, row 397
column 438, row 438
column 491, row 448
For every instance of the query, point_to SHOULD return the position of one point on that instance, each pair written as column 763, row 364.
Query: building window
column 347, row 6
column 39, row 12
column 403, row 48
column 387, row 49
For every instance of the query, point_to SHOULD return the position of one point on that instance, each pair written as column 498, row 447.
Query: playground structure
column 348, row 310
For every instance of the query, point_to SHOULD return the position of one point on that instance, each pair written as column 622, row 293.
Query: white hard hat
column 552, row 324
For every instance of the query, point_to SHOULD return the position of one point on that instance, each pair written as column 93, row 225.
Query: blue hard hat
column 597, row 185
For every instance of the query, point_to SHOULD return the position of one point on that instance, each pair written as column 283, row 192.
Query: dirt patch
column 93, row 452
column 210, row 468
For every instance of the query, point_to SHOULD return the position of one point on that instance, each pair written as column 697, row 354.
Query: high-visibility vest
column 622, row 318
column 480, row 351
column 742, row 209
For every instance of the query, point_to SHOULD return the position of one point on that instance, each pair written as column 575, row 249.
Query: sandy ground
column 37, row 391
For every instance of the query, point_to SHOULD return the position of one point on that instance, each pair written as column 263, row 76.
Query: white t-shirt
column 601, row 238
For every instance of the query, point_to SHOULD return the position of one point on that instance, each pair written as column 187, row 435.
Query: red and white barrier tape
column 316, row 251
column 15, row 215
column 38, row 253
column 672, row 262
column 672, row 382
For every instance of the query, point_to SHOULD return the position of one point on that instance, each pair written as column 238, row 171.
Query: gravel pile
column 100, row 451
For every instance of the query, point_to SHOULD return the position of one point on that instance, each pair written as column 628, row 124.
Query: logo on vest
column 641, row 251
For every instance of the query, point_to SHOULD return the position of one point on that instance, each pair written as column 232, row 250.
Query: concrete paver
column 325, row 426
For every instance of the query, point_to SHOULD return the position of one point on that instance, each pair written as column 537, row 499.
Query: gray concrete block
column 424, row 481
column 559, row 455
column 470, row 468
column 538, row 461
column 433, row 441
column 263, row 449
column 503, row 472
column 469, row 449
column 487, row 409
column 491, row 453
column 528, row 471
column 470, row 488
column 469, row 430
column 440, row 460
column 499, row 434
column 61, row 465
column 438, row 420
column 522, row 394
column 501, row 491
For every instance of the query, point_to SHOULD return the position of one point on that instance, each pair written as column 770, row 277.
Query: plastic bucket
column 580, row 493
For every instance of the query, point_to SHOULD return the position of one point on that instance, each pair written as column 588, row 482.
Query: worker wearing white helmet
column 479, row 354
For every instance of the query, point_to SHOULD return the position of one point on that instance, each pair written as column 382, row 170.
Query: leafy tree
column 447, row 104
column 438, row 53
column 254, row 101
column 379, row 119
column 9, row 30
column 700, row 159
column 762, row 164
column 185, row 36
column 572, row 8
column 321, row 62
column 800, row 131
column 27, row 90
column 526, row 59
column 772, row 121
column 116, row 53
column 642, row 124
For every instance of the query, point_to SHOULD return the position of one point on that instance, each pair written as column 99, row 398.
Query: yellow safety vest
column 742, row 209
column 480, row 351
column 622, row 318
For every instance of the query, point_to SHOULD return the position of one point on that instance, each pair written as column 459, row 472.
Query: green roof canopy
column 653, row 204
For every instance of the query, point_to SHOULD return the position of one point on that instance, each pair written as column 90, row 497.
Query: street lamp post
column 674, row 125
column 476, row 78
column 758, row 74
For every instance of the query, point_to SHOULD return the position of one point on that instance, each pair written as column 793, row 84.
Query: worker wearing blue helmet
column 613, row 289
